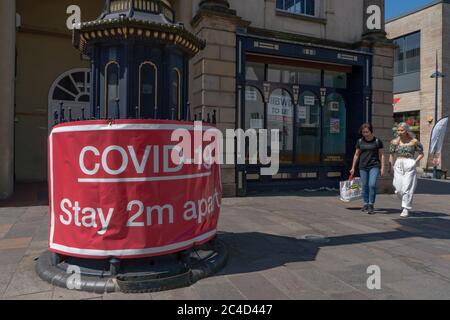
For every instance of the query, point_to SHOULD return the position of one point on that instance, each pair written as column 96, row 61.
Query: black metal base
column 133, row 276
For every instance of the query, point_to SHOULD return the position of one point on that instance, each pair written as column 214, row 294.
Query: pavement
column 298, row 246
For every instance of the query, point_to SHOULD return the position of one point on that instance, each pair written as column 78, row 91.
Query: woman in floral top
column 403, row 151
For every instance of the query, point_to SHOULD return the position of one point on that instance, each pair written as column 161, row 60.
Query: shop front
column 316, row 97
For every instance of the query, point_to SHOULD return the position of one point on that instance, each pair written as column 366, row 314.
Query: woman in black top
column 370, row 153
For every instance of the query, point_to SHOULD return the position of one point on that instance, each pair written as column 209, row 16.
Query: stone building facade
column 325, row 65
column 415, row 91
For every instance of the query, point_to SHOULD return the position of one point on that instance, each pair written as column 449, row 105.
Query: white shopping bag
column 351, row 190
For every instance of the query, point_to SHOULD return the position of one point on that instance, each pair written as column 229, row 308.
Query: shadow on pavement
column 300, row 193
column 254, row 251
column 414, row 214
column 27, row 195
column 435, row 187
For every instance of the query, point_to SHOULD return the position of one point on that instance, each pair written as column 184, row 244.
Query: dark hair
column 367, row 126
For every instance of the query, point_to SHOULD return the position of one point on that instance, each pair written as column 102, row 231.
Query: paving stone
column 217, row 288
column 11, row 215
column 22, row 230
column 357, row 277
column 255, row 287
column 26, row 281
column 15, row 243
column 422, row 288
column 291, row 285
column 6, row 273
column 11, row 256
column 66, row 294
column 41, row 233
column 178, row 294
column 123, row 296
column 4, row 229
column 48, row 295
column 36, row 248
column 352, row 295
column 325, row 282
column 34, row 214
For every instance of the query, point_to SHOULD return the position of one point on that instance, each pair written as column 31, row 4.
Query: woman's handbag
column 351, row 189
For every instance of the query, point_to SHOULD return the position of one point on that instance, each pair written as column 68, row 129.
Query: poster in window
column 251, row 95
column 310, row 101
column 334, row 106
column 335, row 126
column 302, row 113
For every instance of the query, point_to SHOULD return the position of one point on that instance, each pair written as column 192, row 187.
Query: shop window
column 112, row 70
column 333, row 79
column 334, row 129
column 410, row 118
column 310, row 77
column 176, row 94
column 281, row 74
column 255, row 71
column 308, row 129
column 305, row 7
column 254, row 113
column 148, row 87
column 254, row 109
column 280, row 116
column 294, row 75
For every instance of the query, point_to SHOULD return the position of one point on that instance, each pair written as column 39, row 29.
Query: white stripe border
column 150, row 179
column 124, row 127
column 133, row 252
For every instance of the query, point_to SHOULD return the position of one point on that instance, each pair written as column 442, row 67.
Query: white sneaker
column 405, row 213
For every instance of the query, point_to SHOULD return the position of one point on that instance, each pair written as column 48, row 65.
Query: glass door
column 280, row 116
column 334, row 129
column 308, row 129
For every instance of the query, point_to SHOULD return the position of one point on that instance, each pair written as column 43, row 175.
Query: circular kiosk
column 125, row 213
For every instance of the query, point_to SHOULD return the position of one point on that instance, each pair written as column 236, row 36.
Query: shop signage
column 310, row 101
column 115, row 191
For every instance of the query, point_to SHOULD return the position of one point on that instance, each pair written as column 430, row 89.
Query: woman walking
column 402, row 158
column 370, row 153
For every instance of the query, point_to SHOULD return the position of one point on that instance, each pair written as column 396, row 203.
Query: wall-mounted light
column 323, row 96
column 430, row 119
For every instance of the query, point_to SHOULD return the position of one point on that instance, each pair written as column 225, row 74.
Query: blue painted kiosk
column 139, row 59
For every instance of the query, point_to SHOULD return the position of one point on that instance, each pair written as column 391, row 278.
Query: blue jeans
column 369, row 184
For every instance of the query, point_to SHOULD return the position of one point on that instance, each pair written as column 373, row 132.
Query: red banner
column 115, row 191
